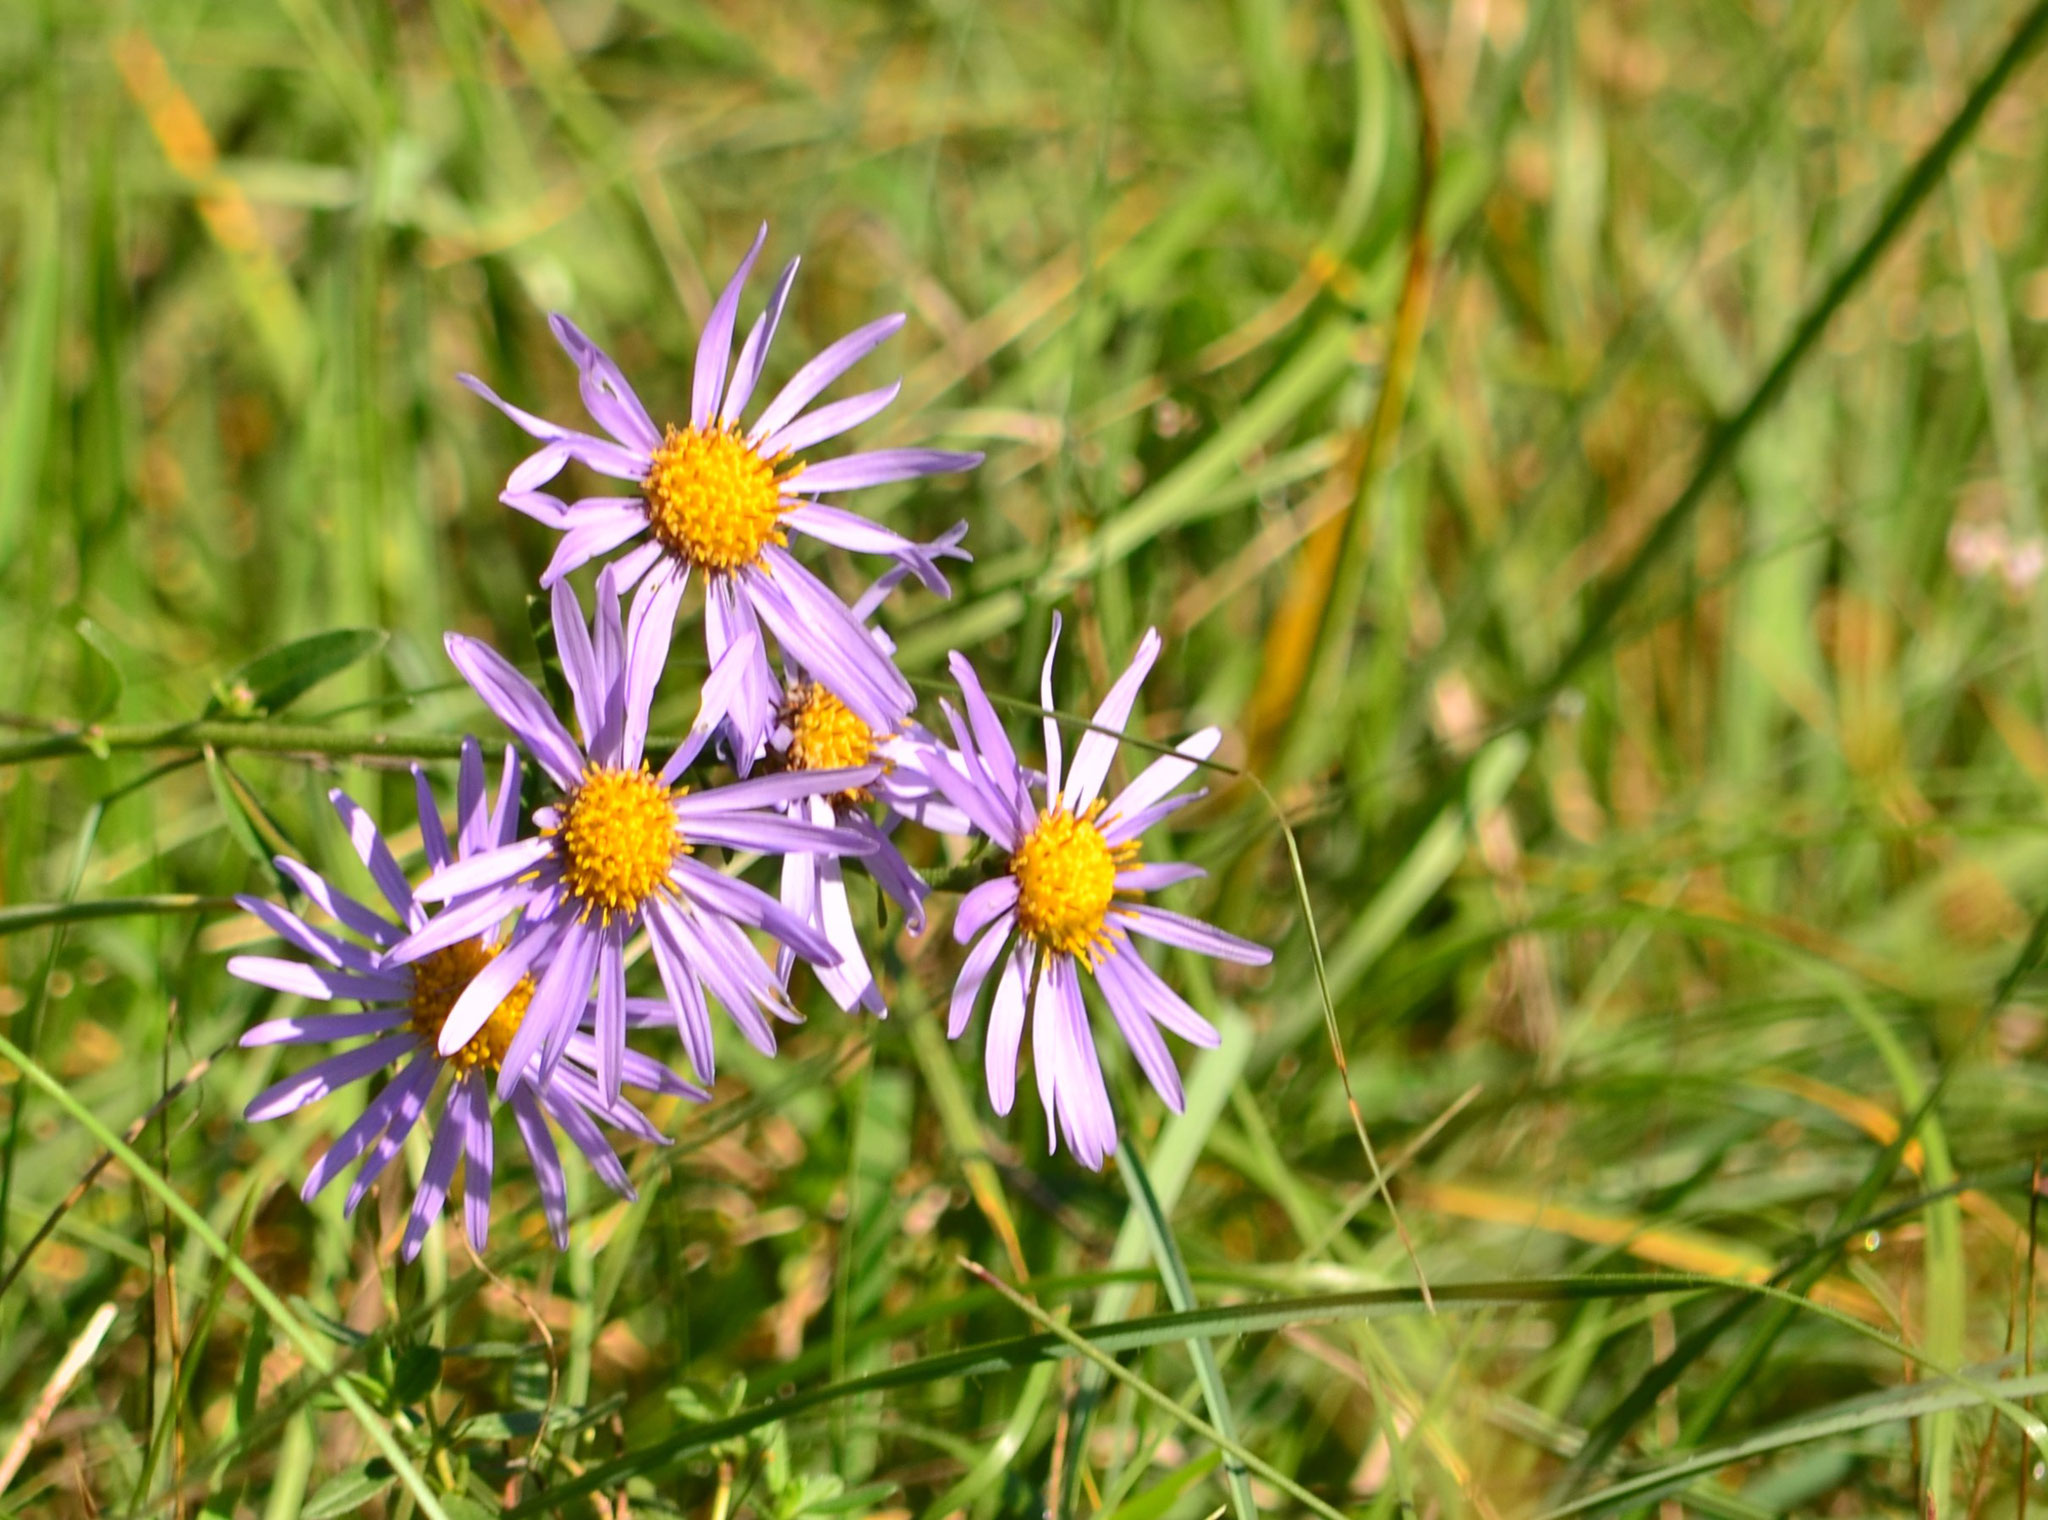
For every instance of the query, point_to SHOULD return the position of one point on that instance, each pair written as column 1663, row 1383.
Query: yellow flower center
column 439, row 979
column 824, row 735
column 1066, row 879
column 617, row 836
column 711, row 500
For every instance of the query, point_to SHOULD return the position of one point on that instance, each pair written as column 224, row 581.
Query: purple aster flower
column 722, row 497
column 816, row 731
column 405, row 1009
column 617, row 851
column 1068, row 904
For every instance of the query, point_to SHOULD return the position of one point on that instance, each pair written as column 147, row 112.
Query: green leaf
column 99, row 675
column 279, row 677
column 416, row 1373
column 349, row 1490
column 246, row 821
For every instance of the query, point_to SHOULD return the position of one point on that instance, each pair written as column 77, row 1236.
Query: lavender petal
column 1097, row 747
column 852, row 472
column 714, row 347
column 519, row 707
column 610, row 400
column 1171, row 928
column 828, row 365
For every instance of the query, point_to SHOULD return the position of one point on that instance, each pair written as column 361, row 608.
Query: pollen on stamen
column 826, row 735
column 617, row 837
column 1066, row 882
column 712, row 501
column 440, row 978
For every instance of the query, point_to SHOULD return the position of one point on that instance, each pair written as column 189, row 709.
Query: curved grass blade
column 303, row 1341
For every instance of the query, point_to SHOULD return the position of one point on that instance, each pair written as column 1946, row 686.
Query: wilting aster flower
column 406, row 1009
column 617, row 851
column 816, row 731
column 1068, row 904
column 715, row 496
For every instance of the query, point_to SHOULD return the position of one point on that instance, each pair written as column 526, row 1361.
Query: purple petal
column 598, row 533
column 849, row 531
column 588, row 688
column 608, row 645
column 752, row 696
column 417, row 1085
column 548, row 510
column 547, row 1165
column 830, row 421
column 306, row 981
column 471, row 1101
column 851, row 472
column 397, row 1108
column 1150, row 992
column 450, row 1137
column 519, row 707
column 561, row 997
column 1134, row 825
column 1085, row 1113
column 1133, row 1016
column 465, row 920
column 686, row 998
column 1162, row 776
column 849, row 980
column 1052, row 727
column 492, row 867
column 773, row 791
column 714, row 348
column 773, row 834
column 1006, row 1028
column 746, row 374
column 811, row 623
column 998, row 759
column 339, row 905
column 983, row 906
column 289, row 927
column 829, row 364
column 1155, row 878
column 324, row 1077
column 648, row 637
column 472, row 806
column 1097, row 748
column 504, row 819
column 945, row 546
column 966, row 789
column 602, row 455
column 1191, row 934
column 720, row 692
column 376, row 855
column 973, row 973
column 319, row 1028
column 745, row 903
column 490, row 987
column 610, row 400
column 611, row 1016
column 433, row 837
column 590, row 1140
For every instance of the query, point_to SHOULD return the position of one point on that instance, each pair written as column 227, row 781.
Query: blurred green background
column 1671, row 833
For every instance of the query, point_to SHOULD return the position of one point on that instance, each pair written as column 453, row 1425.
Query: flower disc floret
column 618, row 837
column 439, row 979
column 826, row 735
column 712, row 500
column 1066, row 880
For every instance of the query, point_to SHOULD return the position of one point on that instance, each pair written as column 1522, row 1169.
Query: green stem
column 227, row 734
column 23, row 916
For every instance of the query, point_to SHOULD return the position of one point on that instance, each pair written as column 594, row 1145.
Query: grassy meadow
column 1588, row 455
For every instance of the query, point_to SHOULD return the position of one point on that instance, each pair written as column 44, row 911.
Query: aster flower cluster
column 498, row 978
